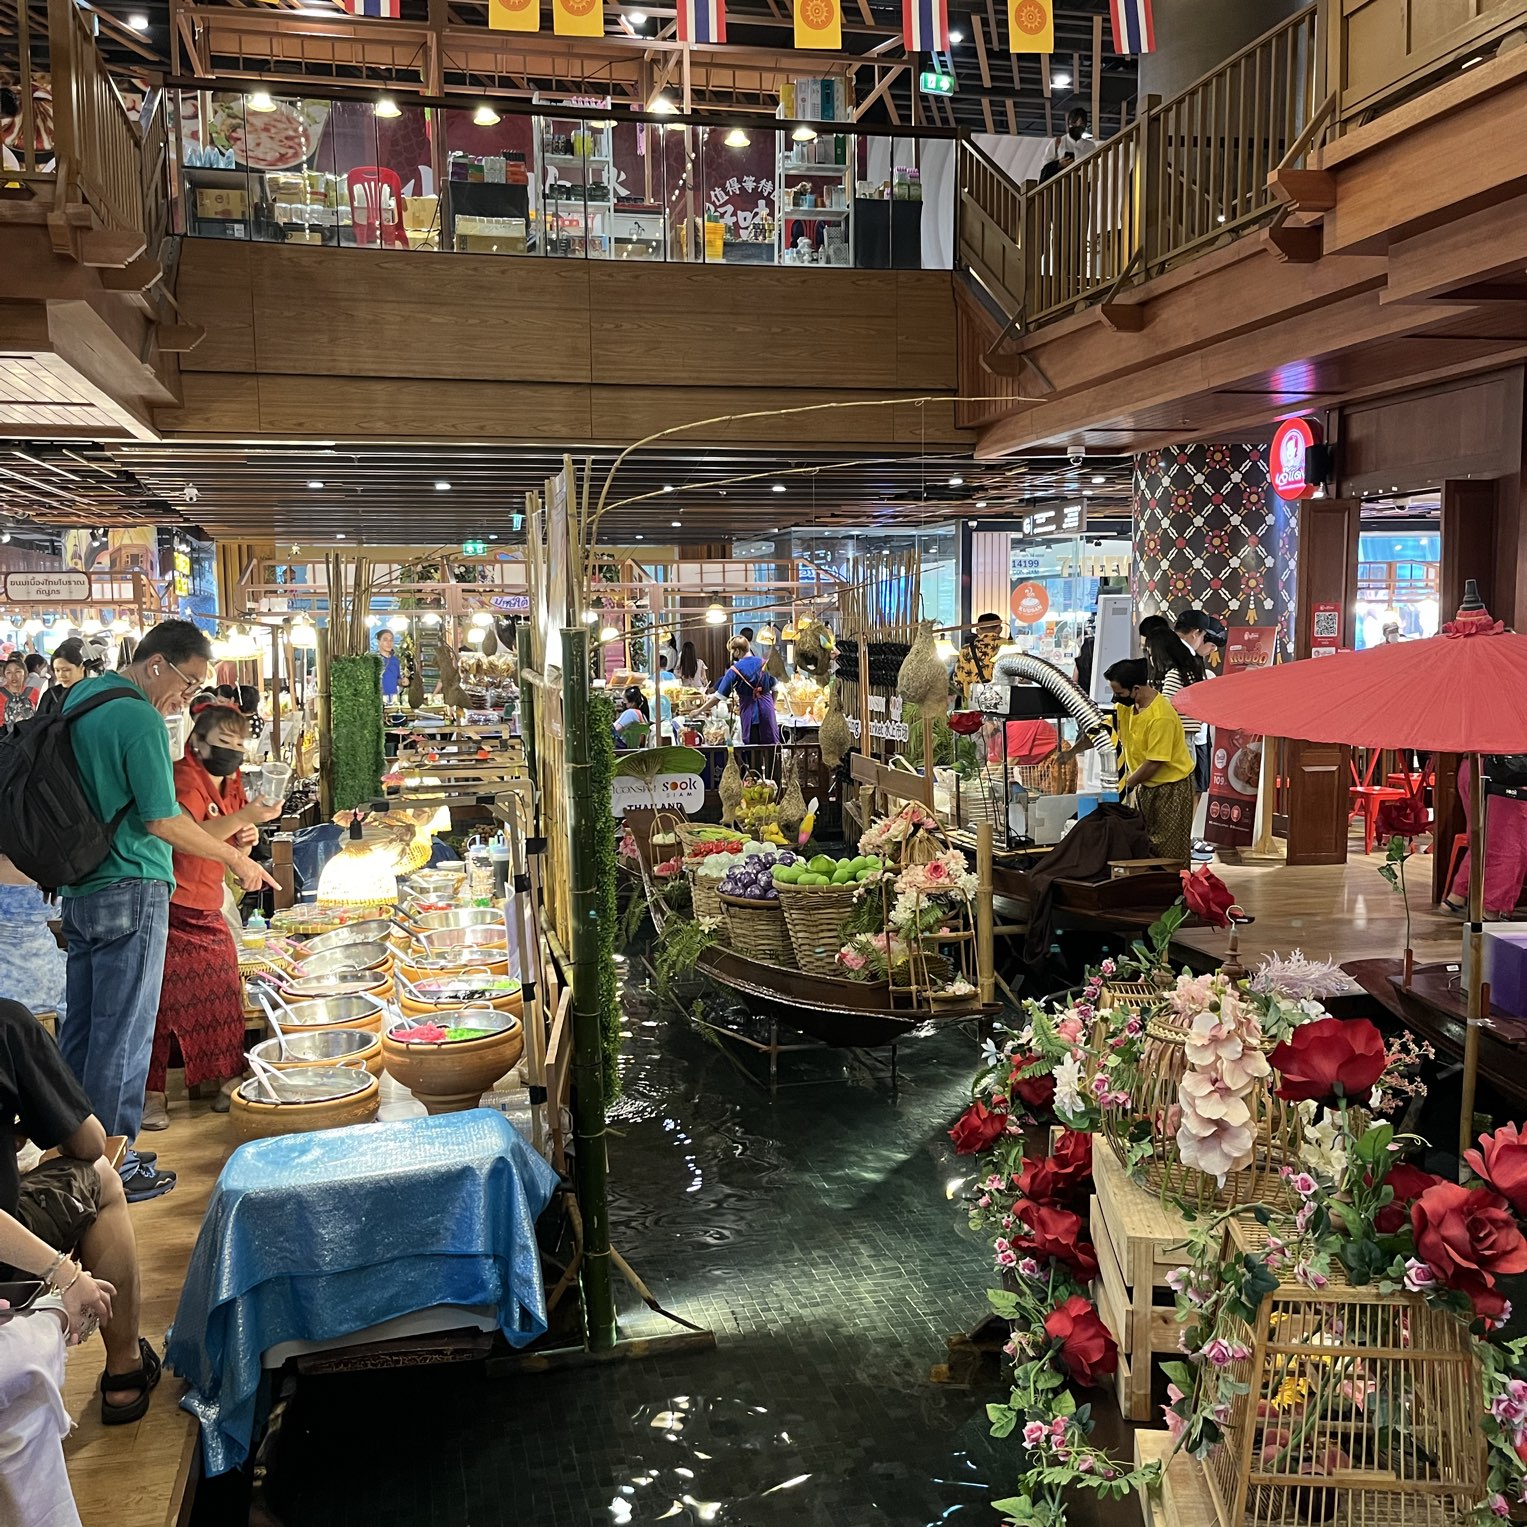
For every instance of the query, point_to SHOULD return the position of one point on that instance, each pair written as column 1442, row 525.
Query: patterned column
column 1211, row 535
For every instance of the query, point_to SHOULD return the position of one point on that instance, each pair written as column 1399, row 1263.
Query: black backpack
column 47, row 828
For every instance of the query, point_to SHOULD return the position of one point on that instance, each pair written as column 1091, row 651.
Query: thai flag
column 702, row 20
column 388, row 10
column 1134, row 28
column 925, row 26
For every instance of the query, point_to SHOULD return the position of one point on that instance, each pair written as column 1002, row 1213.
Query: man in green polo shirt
column 116, row 919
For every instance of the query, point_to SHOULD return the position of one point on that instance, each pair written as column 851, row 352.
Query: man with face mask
column 1157, row 762
column 116, row 920
column 1073, row 144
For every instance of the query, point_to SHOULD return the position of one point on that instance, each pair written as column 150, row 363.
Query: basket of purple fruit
column 753, row 915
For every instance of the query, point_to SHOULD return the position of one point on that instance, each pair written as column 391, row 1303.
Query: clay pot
column 477, row 966
column 321, row 1097
column 318, row 1015
column 448, row 1078
column 509, row 1002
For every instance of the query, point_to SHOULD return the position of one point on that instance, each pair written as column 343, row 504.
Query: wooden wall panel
column 991, row 573
column 1319, row 777
column 1471, row 428
column 774, row 327
column 925, row 351
column 384, row 344
column 212, row 286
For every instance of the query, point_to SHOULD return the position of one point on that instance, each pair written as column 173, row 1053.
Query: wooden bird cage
column 1361, row 1410
column 1153, row 1084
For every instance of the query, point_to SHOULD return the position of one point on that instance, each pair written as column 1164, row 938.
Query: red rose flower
column 1087, row 1352
column 1502, row 1161
column 1057, row 1235
column 1409, row 1183
column 1207, row 896
column 1404, row 818
column 1468, row 1237
column 1328, row 1059
column 965, row 722
column 1073, row 1156
column 977, row 1129
column 1043, row 1183
column 1037, row 1092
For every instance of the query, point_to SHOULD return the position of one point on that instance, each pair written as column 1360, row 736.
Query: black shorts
column 59, row 1201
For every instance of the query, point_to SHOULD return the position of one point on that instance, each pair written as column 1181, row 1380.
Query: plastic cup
column 274, row 778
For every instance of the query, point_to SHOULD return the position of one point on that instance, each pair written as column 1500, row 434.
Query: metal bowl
column 434, row 883
column 459, row 917
column 311, row 1084
column 339, row 1046
column 346, row 959
column 371, row 930
column 475, row 936
column 320, row 1012
column 488, row 1019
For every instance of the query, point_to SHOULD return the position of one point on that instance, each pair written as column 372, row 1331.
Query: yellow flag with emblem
column 1031, row 26
column 514, row 15
column 819, row 24
column 577, row 18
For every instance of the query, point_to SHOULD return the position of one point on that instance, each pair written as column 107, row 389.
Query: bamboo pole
column 325, row 725
column 1476, row 971
column 592, row 1166
column 986, row 971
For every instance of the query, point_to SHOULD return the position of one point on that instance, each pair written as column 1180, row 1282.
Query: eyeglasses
column 191, row 685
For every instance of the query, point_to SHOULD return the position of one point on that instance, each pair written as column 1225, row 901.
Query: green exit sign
column 474, row 548
column 934, row 82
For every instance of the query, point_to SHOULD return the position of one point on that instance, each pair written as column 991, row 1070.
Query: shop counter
column 313, row 1237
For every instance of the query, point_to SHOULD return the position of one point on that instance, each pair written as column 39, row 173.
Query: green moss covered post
column 358, row 748
column 588, row 816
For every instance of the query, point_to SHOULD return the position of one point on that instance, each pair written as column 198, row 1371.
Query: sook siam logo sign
column 1288, row 461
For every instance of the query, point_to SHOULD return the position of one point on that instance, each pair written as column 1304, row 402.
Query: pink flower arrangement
column 1215, row 1134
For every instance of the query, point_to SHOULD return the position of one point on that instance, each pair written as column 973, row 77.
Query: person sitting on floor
column 74, row 1203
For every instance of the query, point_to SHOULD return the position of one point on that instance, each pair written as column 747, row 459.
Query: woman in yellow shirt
column 1157, row 759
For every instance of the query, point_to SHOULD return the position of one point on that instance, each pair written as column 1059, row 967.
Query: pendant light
column 387, row 107
column 259, row 100
column 804, row 134
column 737, row 139
column 485, row 116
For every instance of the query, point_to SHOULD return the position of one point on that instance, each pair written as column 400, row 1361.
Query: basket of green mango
column 816, row 895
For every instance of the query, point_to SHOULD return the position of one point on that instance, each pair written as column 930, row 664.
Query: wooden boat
column 1127, row 902
column 837, row 1013
column 1434, row 1008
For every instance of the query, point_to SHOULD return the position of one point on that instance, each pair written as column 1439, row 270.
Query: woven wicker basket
column 814, row 915
column 706, row 897
column 1054, row 776
column 758, row 930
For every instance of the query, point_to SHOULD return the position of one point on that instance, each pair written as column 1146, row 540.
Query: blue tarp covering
column 318, row 1235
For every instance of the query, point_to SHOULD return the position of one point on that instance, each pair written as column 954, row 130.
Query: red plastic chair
column 1460, row 848
column 1367, row 797
column 376, row 206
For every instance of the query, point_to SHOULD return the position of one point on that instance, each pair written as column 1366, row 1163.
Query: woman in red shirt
column 200, row 1003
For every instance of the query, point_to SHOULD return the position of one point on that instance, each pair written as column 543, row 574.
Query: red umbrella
column 1459, row 692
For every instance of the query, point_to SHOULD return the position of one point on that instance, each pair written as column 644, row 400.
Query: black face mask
column 221, row 762
column 1077, row 132
column 1128, row 699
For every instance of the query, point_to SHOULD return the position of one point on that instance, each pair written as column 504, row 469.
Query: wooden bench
column 1139, row 1241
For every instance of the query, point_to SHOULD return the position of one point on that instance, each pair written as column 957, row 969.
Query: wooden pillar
column 1470, row 523
column 1319, row 776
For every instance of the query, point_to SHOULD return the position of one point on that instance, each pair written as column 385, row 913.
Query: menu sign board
column 1235, row 756
column 47, row 588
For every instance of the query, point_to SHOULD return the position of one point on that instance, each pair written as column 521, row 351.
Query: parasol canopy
column 1458, row 692
column 1464, row 691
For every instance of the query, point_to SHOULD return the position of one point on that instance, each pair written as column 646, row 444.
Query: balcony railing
column 1187, row 173
column 76, row 132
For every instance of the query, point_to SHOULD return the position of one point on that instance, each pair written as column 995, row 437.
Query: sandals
column 142, row 1378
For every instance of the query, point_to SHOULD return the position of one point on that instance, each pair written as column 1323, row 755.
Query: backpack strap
column 96, row 701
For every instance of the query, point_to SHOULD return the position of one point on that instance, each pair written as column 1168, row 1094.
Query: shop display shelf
column 791, row 167
column 810, row 212
column 577, row 159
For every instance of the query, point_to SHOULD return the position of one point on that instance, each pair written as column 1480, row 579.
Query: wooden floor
column 137, row 1476
column 1338, row 912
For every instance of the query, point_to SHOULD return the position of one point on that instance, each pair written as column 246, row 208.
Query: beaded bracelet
column 53, row 1267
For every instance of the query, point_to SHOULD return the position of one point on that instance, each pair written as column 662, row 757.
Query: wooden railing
column 103, row 155
column 1187, row 173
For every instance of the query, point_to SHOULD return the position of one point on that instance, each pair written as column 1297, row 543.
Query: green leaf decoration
column 648, row 763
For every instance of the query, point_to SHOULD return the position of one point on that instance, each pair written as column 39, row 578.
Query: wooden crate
column 1139, row 1240
column 1182, row 1499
